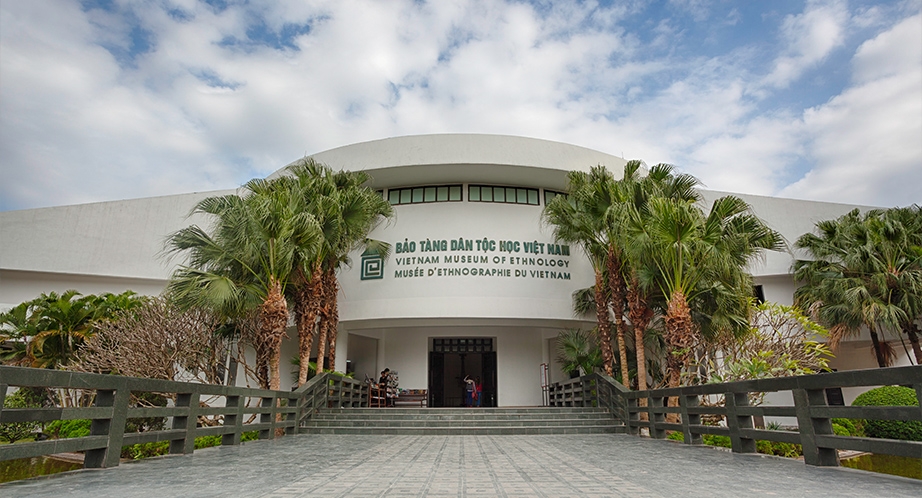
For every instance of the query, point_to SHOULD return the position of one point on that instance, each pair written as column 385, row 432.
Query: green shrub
column 852, row 426
column 891, row 429
column 788, row 450
column 716, row 440
column 708, row 439
column 767, row 447
column 147, row 450
column 65, row 429
column 16, row 431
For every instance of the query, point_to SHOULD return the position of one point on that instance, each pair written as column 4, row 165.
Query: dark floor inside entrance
column 447, row 372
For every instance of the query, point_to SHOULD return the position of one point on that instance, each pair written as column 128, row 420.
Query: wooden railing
column 730, row 402
column 243, row 410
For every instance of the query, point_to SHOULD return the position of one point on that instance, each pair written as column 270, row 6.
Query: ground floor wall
column 520, row 352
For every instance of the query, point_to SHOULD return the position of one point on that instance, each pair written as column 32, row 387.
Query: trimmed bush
column 891, row 429
column 853, row 427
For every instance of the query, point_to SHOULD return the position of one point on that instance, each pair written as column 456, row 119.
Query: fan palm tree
column 346, row 211
column 247, row 259
column 578, row 351
column 865, row 271
column 660, row 181
column 902, row 229
column 578, row 218
column 688, row 255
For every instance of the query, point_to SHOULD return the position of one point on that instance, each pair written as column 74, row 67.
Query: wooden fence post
column 633, row 417
column 735, row 422
column 810, row 427
column 656, row 418
column 293, row 404
column 267, row 402
column 687, row 401
column 234, row 419
column 187, row 423
column 113, row 427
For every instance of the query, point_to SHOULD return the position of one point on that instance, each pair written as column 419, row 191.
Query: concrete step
column 469, row 411
column 520, row 416
column 463, row 431
column 477, row 421
column 460, row 423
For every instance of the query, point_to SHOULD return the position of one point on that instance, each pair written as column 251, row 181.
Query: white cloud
column 809, row 38
column 198, row 113
column 866, row 141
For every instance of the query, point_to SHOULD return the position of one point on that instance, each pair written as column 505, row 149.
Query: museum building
column 474, row 285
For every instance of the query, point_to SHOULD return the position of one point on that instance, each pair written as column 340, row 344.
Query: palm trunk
column 912, row 331
column 878, row 348
column 323, row 326
column 273, row 322
column 262, row 364
column 333, row 318
column 601, row 312
column 308, row 309
column 680, row 337
column 640, row 314
column 617, row 289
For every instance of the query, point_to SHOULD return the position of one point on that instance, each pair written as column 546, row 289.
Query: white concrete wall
column 19, row 286
column 518, row 357
column 363, row 351
column 430, row 295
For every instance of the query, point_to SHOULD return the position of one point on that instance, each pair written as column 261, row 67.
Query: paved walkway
column 442, row 466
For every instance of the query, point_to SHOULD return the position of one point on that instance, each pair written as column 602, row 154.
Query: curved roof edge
column 461, row 157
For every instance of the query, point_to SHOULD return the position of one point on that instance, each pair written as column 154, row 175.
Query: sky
column 116, row 99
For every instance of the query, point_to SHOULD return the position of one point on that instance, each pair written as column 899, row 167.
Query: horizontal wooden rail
column 810, row 408
column 273, row 410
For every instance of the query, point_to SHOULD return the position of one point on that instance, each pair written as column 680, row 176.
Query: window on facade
column 463, row 345
column 508, row 195
column 550, row 194
column 759, row 293
column 421, row 195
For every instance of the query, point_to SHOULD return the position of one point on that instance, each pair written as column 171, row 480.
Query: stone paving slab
column 592, row 466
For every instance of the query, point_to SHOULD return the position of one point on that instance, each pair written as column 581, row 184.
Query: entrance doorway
column 450, row 360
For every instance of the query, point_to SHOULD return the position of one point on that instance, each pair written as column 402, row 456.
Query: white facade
column 392, row 315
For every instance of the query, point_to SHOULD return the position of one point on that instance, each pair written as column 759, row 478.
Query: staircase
column 462, row 421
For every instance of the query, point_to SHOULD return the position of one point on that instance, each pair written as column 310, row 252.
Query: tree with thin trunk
column 245, row 261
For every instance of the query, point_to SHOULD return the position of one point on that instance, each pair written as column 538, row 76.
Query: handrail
column 111, row 410
column 813, row 414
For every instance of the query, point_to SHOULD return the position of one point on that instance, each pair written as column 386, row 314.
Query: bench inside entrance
column 412, row 396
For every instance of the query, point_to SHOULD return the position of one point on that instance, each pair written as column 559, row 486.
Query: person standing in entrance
column 478, row 392
column 468, row 392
